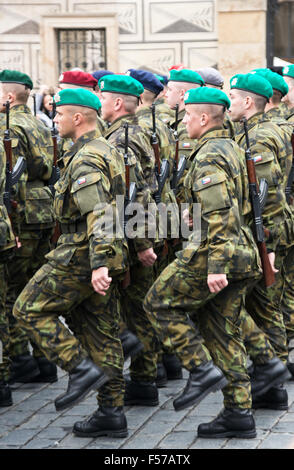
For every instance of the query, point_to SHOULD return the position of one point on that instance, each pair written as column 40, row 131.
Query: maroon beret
column 76, row 77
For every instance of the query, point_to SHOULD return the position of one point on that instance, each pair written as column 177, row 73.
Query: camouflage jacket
column 141, row 160
column 7, row 239
column 272, row 161
column 166, row 145
column 217, row 180
column 164, row 112
column 32, row 140
column 91, row 180
column 186, row 145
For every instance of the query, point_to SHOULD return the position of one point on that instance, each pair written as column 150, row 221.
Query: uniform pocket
column 212, row 193
column 39, row 206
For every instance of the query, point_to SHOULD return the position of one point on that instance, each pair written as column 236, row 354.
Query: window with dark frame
column 81, row 48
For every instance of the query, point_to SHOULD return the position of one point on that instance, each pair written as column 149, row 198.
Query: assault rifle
column 290, row 181
column 161, row 168
column 179, row 166
column 258, row 198
column 131, row 192
column 55, row 175
column 12, row 174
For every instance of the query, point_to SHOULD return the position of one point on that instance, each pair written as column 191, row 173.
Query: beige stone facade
column 152, row 34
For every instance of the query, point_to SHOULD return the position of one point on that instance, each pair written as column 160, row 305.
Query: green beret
column 122, row 84
column 14, row 76
column 276, row 80
column 207, row 95
column 288, row 71
column 185, row 75
column 77, row 97
column 253, row 83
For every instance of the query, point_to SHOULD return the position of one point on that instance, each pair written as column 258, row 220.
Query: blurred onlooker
column 44, row 108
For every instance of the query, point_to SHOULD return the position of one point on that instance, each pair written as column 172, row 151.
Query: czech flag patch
column 258, row 158
column 186, row 145
column 81, row 180
column 206, row 180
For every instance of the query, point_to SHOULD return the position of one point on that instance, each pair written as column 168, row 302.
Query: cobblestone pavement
column 33, row 423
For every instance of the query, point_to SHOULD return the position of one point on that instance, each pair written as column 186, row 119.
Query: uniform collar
column 129, row 118
column 20, row 108
column 213, row 133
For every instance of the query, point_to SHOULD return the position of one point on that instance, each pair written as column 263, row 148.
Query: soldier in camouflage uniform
column 168, row 366
column 212, row 274
column 119, row 99
column 33, row 219
column 288, row 99
column 77, row 79
column 270, row 149
column 84, row 270
column 164, row 112
column 213, row 79
column 7, row 245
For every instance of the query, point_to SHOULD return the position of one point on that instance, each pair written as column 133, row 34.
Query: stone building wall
column 152, row 34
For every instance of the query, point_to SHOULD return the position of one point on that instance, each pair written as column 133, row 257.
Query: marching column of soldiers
column 153, row 222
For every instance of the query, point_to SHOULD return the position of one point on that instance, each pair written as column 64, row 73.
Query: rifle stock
column 268, row 273
column 176, row 159
column 288, row 190
column 161, row 169
column 131, row 193
column 55, row 173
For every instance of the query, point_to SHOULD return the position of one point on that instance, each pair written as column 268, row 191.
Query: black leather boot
column 106, row 421
column 24, row 368
column 276, row 398
column 229, row 423
column 266, row 376
column 141, row 393
column 130, row 343
column 172, row 366
column 48, row 371
column 203, row 380
column 290, row 366
column 83, row 378
column 161, row 377
column 5, row 395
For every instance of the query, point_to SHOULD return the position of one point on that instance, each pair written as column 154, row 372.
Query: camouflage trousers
column 176, row 293
column 287, row 302
column 4, row 328
column 143, row 366
column 27, row 260
column 57, row 290
column 264, row 307
column 164, row 257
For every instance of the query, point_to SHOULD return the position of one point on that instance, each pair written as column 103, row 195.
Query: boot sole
column 6, row 403
column 134, row 352
column 94, row 386
column 122, row 433
column 277, row 381
column 161, row 383
column 141, row 402
column 270, row 406
column 178, row 376
column 40, row 379
column 214, row 388
column 25, row 378
column 237, row 434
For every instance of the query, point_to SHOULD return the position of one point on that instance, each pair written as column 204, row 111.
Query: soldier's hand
column 147, row 257
column 18, row 243
column 100, row 280
column 187, row 219
column 271, row 257
column 217, row 282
